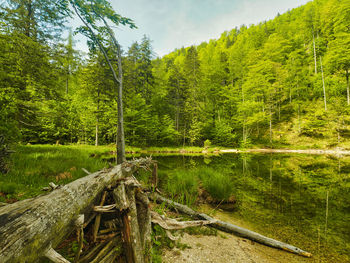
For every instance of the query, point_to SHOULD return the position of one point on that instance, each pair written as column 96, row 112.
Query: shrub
column 207, row 144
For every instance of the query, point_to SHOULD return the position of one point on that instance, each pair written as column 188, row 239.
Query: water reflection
column 300, row 199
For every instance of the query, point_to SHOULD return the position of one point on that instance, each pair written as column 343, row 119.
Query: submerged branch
column 230, row 228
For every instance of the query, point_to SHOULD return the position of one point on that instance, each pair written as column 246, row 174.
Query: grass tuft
column 218, row 184
column 183, row 186
column 34, row 167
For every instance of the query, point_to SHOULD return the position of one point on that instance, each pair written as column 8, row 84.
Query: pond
column 300, row 199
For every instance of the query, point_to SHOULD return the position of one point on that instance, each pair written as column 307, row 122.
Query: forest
column 280, row 82
column 251, row 128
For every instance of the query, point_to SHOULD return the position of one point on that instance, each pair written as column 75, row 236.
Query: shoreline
column 336, row 152
column 307, row 151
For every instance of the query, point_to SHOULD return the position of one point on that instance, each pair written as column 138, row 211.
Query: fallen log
column 30, row 228
column 230, row 228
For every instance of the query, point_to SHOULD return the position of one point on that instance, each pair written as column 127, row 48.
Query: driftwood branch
column 85, row 171
column 55, row 257
column 104, row 209
column 173, row 224
column 230, row 228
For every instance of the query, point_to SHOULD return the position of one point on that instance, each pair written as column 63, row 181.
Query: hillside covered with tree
column 284, row 81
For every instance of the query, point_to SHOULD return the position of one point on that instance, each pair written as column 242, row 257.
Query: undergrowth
column 34, row 167
column 183, row 185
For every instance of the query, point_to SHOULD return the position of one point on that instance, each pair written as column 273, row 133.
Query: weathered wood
column 29, row 227
column 79, row 223
column 230, row 228
column 105, row 253
column 121, row 199
column 173, row 224
column 85, row 171
column 104, row 209
column 132, row 230
column 112, row 255
column 127, row 240
column 145, row 225
column 55, row 257
column 91, row 253
column 119, row 196
column 155, row 175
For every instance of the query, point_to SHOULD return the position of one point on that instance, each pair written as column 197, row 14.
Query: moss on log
column 29, row 228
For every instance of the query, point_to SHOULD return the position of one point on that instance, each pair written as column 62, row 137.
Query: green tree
column 91, row 13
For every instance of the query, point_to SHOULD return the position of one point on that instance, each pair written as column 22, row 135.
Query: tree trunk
column 270, row 125
column 132, row 225
column 299, row 119
column 120, row 135
column 315, row 55
column 347, row 86
column 67, row 82
column 118, row 79
column 29, row 228
column 324, row 87
column 145, row 224
column 97, row 117
column 229, row 228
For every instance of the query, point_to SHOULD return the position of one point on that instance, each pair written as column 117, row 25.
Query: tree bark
column 315, row 55
column 97, row 117
column 230, row 228
column 347, row 86
column 324, row 87
column 120, row 133
column 30, row 227
column 136, row 218
column 135, row 238
column 118, row 79
column 145, row 224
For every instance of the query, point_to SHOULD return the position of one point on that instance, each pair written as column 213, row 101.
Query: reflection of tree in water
column 246, row 160
column 285, row 196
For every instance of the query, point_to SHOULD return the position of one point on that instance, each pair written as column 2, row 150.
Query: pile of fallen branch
column 106, row 215
column 107, row 209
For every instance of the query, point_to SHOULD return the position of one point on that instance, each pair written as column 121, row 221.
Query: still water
column 300, row 199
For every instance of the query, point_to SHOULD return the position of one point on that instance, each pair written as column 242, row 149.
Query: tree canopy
column 266, row 83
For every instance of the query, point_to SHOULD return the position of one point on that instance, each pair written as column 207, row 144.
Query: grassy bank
column 34, row 167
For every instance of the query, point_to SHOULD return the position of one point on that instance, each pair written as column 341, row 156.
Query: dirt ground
column 225, row 248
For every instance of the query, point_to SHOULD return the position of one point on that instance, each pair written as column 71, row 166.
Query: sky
column 172, row 24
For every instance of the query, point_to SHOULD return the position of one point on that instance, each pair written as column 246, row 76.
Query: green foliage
column 34, row 167
column 8, row 188
column 207, row 144
column 183, row 186
column 223, row 134
column 218, row 184
column 240, row 89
